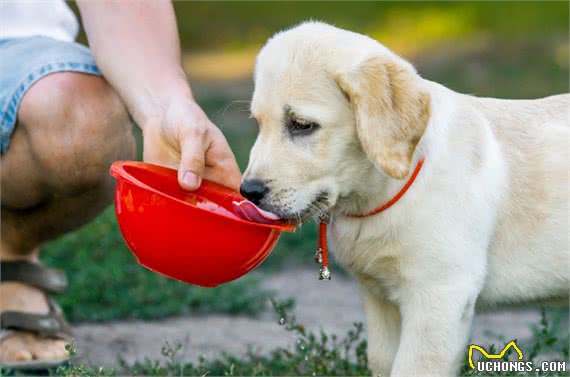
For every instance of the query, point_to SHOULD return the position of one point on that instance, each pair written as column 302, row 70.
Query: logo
column 495, row 356
column 499, row 363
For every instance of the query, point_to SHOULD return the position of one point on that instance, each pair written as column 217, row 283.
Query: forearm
column 136, row 46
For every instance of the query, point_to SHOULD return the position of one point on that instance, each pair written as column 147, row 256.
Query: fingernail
column 191, row 180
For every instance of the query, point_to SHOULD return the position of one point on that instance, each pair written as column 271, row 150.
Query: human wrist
column 156, row 109
column 151, row 102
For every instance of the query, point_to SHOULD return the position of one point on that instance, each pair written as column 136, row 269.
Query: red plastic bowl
column 194, row 237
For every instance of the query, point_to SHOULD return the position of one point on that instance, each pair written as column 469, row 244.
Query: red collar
column 400, row 193
column 322, row 253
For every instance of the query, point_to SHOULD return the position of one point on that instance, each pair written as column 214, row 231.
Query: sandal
column 51, row 325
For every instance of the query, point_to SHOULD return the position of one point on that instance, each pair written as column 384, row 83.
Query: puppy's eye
column 301, row 127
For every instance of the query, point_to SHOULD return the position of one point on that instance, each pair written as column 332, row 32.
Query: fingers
column 226, row 172
column 221, row 165
column 192, row 159
column 188, row 136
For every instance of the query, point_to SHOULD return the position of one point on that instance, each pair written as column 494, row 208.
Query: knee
column 80, row 127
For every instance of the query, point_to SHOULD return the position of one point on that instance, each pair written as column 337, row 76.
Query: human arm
column 136, row 46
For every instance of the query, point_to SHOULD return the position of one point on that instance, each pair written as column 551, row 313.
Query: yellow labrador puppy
column 343, row 122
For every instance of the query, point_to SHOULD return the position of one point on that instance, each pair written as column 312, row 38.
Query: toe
column 13, row 350
column 49, row 349
column 24, row 347
column 21, row 355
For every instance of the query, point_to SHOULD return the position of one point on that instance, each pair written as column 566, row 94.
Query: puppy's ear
column 391, row 112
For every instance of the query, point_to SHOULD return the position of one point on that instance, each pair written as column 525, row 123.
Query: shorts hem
column 9, row 113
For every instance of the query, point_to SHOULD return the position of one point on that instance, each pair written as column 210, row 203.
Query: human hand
column 184, row 138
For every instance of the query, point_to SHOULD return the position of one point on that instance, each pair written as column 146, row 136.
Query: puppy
column 343, row 123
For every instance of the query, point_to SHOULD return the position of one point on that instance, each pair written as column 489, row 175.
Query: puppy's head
column 332, row 107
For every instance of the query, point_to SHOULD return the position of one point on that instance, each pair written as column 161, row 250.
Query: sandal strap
column 46, row 279
column 49, row 325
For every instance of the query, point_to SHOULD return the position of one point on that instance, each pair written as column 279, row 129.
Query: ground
column 331, row 305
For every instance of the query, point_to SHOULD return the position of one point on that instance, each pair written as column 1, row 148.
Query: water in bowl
column 201, row 202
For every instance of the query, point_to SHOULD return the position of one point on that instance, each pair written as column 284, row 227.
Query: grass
column 312, row 354
column 235, row 25
column 320, row 354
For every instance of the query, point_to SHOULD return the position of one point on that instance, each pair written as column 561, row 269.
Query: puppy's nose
column 254, row 190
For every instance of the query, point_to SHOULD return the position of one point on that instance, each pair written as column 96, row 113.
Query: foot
column 22, row 346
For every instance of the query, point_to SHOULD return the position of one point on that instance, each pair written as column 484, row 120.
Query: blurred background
column 497, row 49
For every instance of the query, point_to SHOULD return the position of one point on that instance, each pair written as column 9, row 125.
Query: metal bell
column 325, row 274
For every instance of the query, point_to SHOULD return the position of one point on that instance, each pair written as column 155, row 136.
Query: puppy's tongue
column 249, row 211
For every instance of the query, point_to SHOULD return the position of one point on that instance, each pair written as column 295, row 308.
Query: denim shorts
column 23, row 61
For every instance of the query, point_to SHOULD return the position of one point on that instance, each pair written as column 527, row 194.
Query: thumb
column 192, row 163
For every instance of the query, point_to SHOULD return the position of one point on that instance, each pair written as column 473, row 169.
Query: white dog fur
column 343, row 122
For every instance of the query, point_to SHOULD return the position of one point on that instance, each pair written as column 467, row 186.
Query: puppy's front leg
column 383, row 323
column 436, row 318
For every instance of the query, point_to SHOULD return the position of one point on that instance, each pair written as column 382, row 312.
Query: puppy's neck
column 371, row 190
